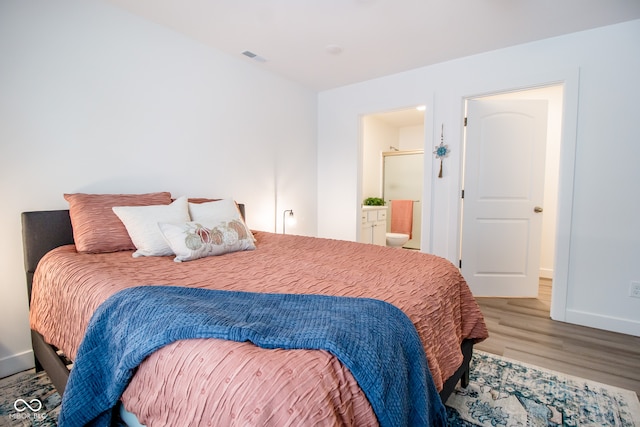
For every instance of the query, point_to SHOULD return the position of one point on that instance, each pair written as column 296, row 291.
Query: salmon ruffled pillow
column 96, row 228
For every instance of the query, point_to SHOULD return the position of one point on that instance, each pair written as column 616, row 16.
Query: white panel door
column 503, row 194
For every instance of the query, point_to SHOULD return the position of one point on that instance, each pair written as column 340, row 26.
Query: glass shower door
column 403, row 174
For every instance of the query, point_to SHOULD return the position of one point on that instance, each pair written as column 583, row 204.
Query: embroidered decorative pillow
column 96, row 229
column 141, row 223
column 192, row 240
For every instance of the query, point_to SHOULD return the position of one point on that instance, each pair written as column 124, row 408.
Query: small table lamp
column 284, row 219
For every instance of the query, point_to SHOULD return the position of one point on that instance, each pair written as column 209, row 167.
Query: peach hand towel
column 402, row 216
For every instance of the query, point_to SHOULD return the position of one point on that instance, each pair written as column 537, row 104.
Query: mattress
column 195, row 382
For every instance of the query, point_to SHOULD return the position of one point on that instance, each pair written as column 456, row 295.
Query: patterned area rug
column 502, row 392
column 28, row 399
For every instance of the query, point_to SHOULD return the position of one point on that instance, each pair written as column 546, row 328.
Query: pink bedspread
column 214, row 382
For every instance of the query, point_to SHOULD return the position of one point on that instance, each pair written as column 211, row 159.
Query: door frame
column 569, row 80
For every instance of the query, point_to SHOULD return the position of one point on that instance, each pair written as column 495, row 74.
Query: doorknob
column 537, row 209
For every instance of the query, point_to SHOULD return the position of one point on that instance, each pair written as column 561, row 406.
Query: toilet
column 397, row 240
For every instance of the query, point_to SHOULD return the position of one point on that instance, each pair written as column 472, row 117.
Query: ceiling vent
column 253, row 56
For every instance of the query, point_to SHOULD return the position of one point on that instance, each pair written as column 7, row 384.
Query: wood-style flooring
column 521, row 329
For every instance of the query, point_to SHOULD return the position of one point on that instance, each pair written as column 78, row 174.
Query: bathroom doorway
column 398, row 132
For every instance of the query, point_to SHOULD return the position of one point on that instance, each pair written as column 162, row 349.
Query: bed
column 197, row 381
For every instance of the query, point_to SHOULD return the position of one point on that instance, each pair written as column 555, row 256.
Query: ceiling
column 324, row 44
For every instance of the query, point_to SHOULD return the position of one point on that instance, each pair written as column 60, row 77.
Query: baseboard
column 546, row 273
column 16, row 363
column 608, row 323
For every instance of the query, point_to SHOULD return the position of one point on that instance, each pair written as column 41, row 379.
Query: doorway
column 539, row 264
column 393, row 134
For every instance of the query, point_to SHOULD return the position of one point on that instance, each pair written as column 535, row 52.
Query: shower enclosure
column 402, row 178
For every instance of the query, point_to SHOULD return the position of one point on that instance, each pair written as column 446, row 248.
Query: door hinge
column 465, row 121
column 462, row 194
column 459, row 263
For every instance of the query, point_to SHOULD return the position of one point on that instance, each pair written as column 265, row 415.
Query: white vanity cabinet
column 374, row 225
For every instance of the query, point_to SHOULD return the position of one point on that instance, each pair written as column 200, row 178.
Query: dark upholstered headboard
column 41, row 232
column 46, row 230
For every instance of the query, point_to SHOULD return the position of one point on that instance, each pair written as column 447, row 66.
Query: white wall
column 94, row 99
column 411, row 138
column 599, row 228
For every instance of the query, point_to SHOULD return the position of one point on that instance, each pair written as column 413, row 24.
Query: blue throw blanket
column 374, row 339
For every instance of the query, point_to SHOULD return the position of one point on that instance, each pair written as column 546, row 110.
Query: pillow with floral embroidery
column 192, row 240
column 211, row 212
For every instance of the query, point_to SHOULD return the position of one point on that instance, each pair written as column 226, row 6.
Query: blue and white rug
column 28, row 399
column 501, row 392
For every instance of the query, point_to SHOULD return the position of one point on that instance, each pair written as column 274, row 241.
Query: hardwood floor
column 521, row 329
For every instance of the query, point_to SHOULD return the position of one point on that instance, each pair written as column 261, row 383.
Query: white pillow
column 212, row 213
column 192, row 240
column 141, row 223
